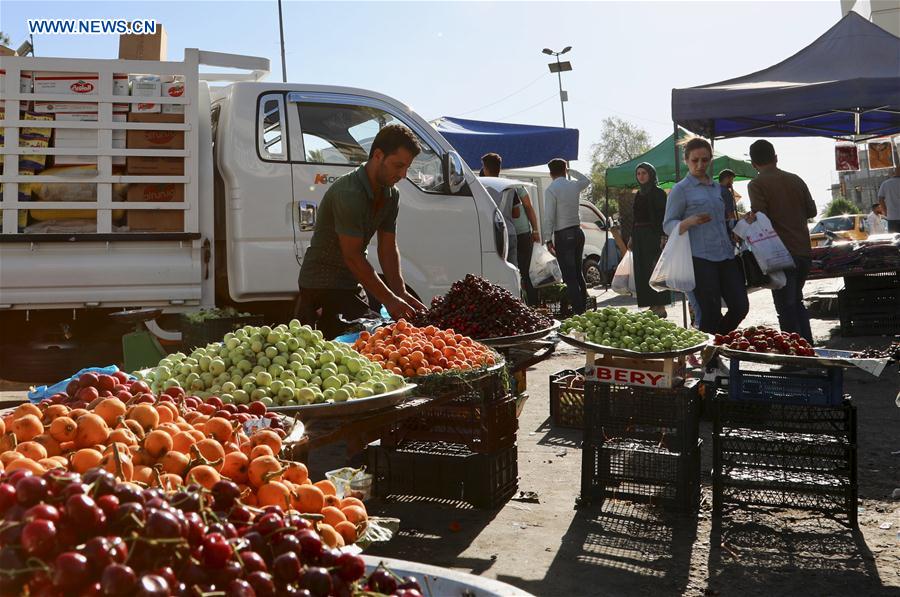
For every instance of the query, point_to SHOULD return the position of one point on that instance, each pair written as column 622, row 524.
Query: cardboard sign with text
column 636, row 372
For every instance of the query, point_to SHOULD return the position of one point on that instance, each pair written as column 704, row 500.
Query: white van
column 257, row 160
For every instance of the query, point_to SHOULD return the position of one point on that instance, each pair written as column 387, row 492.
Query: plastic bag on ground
column 623, row 278
column 675, row 268
column 769, row 251
column 544, row 269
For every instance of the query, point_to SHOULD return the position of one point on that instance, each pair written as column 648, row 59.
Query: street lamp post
column 558, row 68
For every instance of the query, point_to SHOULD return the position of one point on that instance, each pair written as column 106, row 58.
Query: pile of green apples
column 638, row 331
column 288, row 365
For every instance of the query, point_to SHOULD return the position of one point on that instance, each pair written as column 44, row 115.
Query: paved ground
column 550, row 549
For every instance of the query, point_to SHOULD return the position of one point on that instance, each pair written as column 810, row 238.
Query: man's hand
column 750, row 217
column 413, row 302
column 399, row 308
column 551, row 249
column 535, row 236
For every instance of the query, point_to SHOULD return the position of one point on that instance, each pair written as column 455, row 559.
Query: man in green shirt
column 356, row 207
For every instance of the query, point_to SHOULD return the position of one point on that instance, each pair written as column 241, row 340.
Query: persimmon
column 176, row 463
column 326, row 486
column 110, row 409
column 27, row 409
column 210, row 449
column 333, row 515
column 268, row 438
column 309, row 499
column 219, row 429
column 347, row 531
column 355, row 514
column 264, row 469
column 63, row 429
column 25, row 463
column 274, row 493
column 122, row 435
column 85, row 459
column 182, row 441
column 145, row 414
column 49, row 444
column 143, row 474
column 26, row 427
column 352, row 501
column 92, row 430
column 261, row 450
column 10, row 455
column 330, row 536
column 135, row 428
column 296, row 472
column 203, row 475
column 53, row 412
column 32, row 449
column 157, row 443
column 236, row 466
column 171, row 482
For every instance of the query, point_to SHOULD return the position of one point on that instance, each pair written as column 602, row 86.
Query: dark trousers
column 524, row 248
column 321, row 308
column 792, row 315
column 893, row 225
column 717, row 281
column 569, row 244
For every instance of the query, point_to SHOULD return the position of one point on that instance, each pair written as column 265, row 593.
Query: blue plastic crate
column 781, row 387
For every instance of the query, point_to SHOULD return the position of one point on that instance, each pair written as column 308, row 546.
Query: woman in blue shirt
column 695, row 205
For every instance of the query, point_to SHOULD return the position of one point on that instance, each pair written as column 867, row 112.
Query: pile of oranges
column 166, row 443
column 406, row 350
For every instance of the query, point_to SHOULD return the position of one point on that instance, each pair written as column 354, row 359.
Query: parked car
column 598, row 233
column 846, row 227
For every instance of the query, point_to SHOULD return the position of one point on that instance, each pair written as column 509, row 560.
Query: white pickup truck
column 257, row 159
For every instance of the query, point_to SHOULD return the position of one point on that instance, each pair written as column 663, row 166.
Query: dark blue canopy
column 847, row 82
column 520, row 145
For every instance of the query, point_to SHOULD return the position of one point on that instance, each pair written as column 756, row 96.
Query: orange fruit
column 333, row 515
column 326, row 486
column 347, row 531
column 309, row 499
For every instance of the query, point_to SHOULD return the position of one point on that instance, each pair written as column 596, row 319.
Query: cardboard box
column 85, row 138
column 173, row 89
column 155, row 220
column 144, row 47
column 67, row 83
column 153, row 192
column 149, row 87
column 662, row 373
column 155, row 140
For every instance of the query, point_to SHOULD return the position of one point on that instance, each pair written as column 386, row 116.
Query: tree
column 619, row 142
column 838, row 207
column 4, row 39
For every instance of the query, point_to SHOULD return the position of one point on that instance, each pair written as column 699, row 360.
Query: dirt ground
column 550, row 549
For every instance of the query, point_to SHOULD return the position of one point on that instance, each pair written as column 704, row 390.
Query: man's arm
column 810, row 204
column 532, row 217
column 581, row 181
column 353, row 251
column 549, row 215
column 389, row 258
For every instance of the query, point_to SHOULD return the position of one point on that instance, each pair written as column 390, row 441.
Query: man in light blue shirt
column 562, row 228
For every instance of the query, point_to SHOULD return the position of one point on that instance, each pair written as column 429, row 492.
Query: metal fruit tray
column 624, row 352
column 825, row 357
column 350, row 407
column 507, row 341
column 444, row 581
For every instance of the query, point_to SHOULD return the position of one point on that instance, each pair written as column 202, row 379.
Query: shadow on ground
column 619, row 549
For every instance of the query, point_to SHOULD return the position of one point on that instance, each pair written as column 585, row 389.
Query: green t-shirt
column 521, row 223
column 348, row 208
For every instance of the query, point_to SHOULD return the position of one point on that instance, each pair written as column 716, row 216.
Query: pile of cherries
column 68, row 534
column 476, row 308
column 766, row 339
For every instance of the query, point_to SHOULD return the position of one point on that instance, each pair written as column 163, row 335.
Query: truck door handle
column 306, row 215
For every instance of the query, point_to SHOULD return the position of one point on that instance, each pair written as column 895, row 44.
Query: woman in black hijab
column 647, row 238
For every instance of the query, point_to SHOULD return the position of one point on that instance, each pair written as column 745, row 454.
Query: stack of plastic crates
column 567, row 398
column 870, row 305
column 641, row 444
column 559, row 306
column 786, row 440
column 463, row 450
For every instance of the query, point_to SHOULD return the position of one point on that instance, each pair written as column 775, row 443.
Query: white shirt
column 875, row 223
column 561, row 203
column 890, row 192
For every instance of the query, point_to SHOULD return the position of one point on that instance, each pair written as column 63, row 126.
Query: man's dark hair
column 725, row 174
column 392, row 137
column 696, row 143
column 492, row 163
column 762, row 152
column 557, row 167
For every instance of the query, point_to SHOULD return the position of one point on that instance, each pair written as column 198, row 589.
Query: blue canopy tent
column 844, row 84
column 520, row 145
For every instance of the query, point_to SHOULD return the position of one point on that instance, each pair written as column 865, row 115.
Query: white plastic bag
column 777, row 280
column 675, row 268
column 769, row 251
column 623, row 279
column 544, row 269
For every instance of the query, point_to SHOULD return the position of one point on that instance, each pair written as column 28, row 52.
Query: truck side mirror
column 454, row 173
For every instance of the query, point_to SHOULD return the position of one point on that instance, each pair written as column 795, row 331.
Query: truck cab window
column 343, row 134
column 271, row 128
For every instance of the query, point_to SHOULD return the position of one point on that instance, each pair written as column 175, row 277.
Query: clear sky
column 483, row 60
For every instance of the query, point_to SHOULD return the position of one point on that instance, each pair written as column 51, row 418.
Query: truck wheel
column 593, row 275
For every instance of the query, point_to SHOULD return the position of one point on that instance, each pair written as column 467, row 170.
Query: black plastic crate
column 567, row 398
column 825, row 388
column 872, row 312
column 465, row 388
column 444, row 471
column 559, row 306
column 482, row 426
column 201, row 333
column 669, row 417
column 836, row 420
column 879, row 281
column 640, row 471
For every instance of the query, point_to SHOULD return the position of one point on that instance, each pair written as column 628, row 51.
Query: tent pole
column 684, row 314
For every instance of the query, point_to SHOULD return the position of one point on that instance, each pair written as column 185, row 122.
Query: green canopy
column 663, row 159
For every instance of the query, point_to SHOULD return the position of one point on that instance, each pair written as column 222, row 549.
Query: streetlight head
column 566, row 49
column 547, row 51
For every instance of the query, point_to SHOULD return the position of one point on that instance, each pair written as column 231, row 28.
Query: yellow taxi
column 845, row 227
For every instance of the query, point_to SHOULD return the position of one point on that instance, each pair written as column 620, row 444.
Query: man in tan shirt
column 787, row 202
